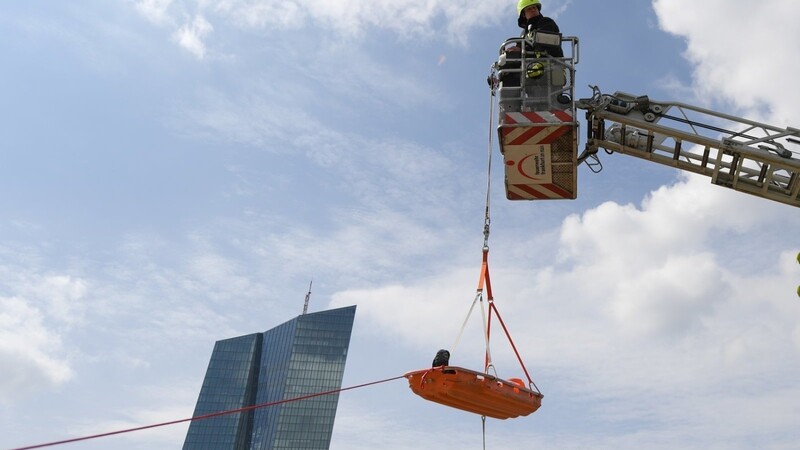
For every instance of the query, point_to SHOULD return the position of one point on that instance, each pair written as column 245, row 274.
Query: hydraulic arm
column 737, row 153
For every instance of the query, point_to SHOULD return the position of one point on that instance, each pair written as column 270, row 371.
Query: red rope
column 205, row 416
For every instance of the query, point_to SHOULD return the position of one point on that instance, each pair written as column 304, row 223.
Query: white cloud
column 741, row 51
column 668, row 298
column 62, row 294
column 338, row 19
column 155, row 11
column 289, row 14
column 257, row 113
column 35, row 315
column 190, row 36
column 30, row 353
column 363, row 247
column 354, row 17
column 418, row 314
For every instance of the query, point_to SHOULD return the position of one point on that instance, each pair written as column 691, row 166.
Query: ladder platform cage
column 537, row 129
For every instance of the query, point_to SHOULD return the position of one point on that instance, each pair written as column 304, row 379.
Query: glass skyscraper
column 303, row 356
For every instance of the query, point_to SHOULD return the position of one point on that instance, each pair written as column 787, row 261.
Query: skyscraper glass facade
column 303, row 356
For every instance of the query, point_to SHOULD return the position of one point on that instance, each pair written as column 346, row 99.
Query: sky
column 176, row 172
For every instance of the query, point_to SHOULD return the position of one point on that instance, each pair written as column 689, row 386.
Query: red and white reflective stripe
column 552, row 116
column 537, row 191
column 533, row 135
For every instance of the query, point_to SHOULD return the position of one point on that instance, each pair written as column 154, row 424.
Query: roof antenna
column 308, row 296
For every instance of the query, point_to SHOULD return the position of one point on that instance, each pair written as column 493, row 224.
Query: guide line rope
column 205, row 416
column 486, row 223
column 487, row 220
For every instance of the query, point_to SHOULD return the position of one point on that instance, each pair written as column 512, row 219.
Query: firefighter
column 530, row 19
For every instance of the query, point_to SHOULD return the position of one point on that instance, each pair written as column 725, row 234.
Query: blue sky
column 175, row 172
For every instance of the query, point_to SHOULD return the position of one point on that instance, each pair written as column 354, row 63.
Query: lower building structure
column 298, row 358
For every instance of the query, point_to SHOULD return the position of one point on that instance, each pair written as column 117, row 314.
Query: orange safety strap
column 485, row 280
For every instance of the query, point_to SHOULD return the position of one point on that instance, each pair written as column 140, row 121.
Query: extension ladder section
column 747, row 157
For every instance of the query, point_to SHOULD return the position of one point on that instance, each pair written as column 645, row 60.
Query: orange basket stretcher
column 475, row 392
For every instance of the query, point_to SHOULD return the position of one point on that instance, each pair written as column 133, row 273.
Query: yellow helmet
column 525, row 3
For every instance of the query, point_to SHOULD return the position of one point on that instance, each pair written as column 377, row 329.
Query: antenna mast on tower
column 308, row 296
